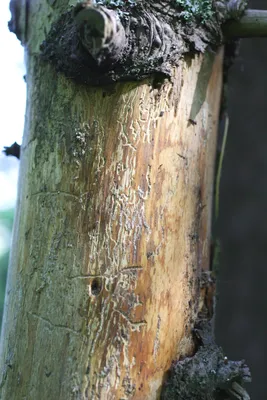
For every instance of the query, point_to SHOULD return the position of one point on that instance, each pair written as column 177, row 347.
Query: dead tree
column 109, row 279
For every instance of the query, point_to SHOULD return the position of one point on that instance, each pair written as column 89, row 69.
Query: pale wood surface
column 111, row 234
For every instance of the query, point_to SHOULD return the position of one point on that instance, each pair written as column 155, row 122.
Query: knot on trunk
column 104, row 42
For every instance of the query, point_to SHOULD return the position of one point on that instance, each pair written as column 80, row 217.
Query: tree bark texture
column 112, row 230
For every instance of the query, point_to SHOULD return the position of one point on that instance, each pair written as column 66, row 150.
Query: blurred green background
column 12, row 106
column 6, row 222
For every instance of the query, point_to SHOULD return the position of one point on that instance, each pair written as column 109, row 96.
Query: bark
column 112, row 230
column 98, row 45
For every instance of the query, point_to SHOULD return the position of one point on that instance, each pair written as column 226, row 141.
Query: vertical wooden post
column 112, row 232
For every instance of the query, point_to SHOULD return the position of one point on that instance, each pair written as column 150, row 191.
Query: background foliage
column 6, row 222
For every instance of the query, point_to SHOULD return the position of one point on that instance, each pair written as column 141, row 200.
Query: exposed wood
column 112, row 231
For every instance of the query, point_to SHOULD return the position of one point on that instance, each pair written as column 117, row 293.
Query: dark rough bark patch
column 97, row 45
column 208, row 374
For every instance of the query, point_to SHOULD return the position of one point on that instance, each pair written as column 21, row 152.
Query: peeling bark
column 208, row 374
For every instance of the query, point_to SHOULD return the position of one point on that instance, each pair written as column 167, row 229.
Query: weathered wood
column 112, row 232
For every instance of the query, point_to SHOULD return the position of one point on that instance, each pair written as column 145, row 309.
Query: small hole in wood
column 96, row 286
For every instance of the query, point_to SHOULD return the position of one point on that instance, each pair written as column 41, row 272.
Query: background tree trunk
column 112, row 229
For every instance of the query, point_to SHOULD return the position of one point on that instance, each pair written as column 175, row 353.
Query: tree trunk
column 112, row 230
